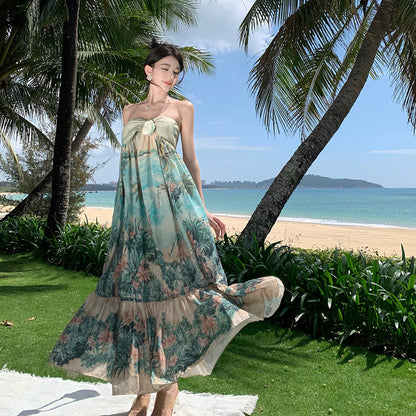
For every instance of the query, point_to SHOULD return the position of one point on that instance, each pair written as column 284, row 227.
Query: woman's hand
column 216, row 224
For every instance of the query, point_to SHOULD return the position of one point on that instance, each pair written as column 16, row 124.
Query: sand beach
column 384, row 241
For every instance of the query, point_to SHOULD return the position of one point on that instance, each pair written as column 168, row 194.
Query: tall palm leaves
column 300, row 72
column 401, row 56
column 18, row 98
column 313, row 71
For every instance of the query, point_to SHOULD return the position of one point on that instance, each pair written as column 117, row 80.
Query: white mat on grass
column 26, row 395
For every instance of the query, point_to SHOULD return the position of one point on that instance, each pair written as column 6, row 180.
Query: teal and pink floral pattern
column 162, row 308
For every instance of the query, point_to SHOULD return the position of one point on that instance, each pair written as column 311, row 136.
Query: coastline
column 383, row 240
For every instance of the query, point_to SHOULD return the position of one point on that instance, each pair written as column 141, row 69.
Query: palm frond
column 312, row 98
column 21, row 103
column 308, row 37
column 352, row 47
column 301, row 23
column 400, row 52
column 405, row 17
column 171, row 14
column 9, row 148
column 305, row 65
column 266, row 12
column 403, row 75
column 103, row 126
column 197, row 60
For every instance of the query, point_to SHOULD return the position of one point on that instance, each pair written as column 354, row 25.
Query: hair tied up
column 154, row 43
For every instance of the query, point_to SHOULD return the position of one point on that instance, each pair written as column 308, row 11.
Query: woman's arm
column 189, row 157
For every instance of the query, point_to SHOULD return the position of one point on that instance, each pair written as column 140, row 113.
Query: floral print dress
column 162, row 308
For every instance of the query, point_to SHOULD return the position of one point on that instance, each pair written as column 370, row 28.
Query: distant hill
column 308, row 181
column 91, row 187
column 316, row 181
column 231, row 184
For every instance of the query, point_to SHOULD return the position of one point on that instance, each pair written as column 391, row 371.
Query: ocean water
column 387, row 207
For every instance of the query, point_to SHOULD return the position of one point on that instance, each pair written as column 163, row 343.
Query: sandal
column 165, row 401
column 140, row 405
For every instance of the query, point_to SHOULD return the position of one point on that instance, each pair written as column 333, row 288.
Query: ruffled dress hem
column 260, row 299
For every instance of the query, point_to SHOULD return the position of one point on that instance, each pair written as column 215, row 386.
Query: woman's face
column 165, row 72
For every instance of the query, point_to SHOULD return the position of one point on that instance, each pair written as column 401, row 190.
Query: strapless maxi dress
column 162, row 308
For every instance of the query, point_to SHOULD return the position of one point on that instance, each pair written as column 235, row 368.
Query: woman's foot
column 165, row 401
column 140, row 405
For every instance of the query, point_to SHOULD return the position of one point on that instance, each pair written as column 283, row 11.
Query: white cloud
column 104, row 151
column 395, row 151
column 217, row 28
column 193, row 98
column 227, row 143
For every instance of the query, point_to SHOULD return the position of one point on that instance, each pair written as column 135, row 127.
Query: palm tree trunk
column 269, row 208
column 61, row 171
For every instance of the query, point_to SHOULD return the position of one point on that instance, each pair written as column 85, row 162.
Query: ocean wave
column 342, row 223
column 220, row 214
column 322, row 221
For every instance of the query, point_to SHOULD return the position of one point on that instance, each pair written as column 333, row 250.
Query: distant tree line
column 89, row 187
column 308, row 181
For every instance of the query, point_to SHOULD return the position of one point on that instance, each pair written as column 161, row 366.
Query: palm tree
column 61, row 171
column 112, row 49
column 301, row 84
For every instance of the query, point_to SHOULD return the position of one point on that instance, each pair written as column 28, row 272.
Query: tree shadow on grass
column 301, row 339
column 287, row 344
column 23, row 265
column 29, row 289
column 254, row 343
column 18, row 263
column 346, row 353
column 283, row 334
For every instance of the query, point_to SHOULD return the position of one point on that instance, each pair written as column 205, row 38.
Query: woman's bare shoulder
column 185, row 104
column 184, row 107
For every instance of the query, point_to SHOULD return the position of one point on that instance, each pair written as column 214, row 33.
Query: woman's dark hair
column 160, row 50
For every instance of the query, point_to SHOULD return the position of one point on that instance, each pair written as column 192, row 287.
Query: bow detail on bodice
column 161, row 126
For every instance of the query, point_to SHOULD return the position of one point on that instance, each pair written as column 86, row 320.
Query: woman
column 162, row 308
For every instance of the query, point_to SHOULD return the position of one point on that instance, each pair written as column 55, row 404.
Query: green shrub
column 242, row 262
column 20, row 235
column 81, row 247
column 372, row 301
column 78, row 247
column 333, row 294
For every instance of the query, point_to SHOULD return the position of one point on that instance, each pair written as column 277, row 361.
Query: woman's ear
column 148, row 69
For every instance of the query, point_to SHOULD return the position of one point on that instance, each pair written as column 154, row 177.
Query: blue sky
column 375, row 143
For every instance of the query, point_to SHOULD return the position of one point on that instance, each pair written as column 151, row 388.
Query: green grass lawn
column 292, row 374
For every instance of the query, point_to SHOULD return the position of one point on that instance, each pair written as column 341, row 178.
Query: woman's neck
column 156, row 96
